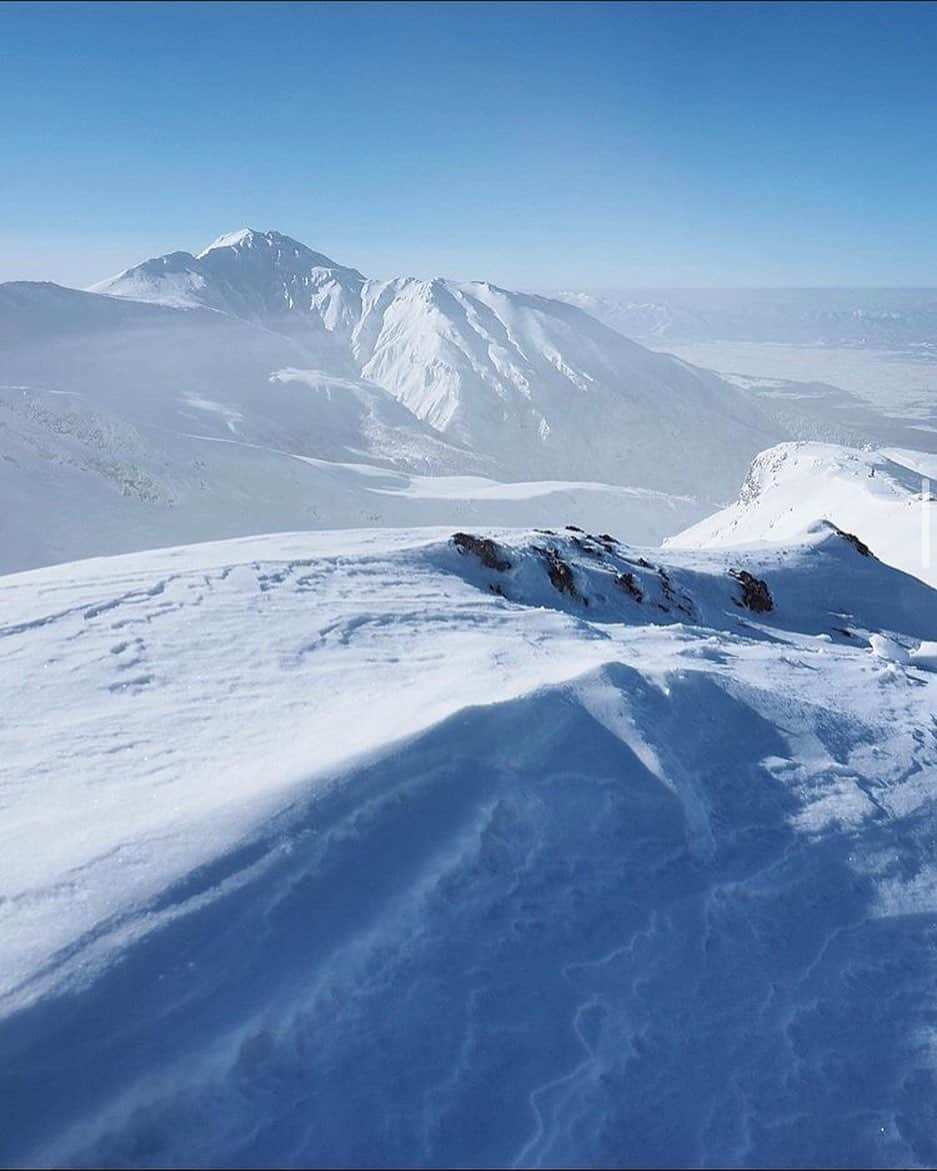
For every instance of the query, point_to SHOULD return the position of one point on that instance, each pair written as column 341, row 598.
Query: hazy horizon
column 122, row 261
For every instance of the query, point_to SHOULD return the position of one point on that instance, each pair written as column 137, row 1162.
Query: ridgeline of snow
column 884, row 497
column 506, row 848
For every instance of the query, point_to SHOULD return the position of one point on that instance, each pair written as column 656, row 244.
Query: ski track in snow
column 346, row 858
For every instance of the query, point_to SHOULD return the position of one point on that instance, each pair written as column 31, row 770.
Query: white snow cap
column 250, row 238
column 277, row 244
column 231, row 240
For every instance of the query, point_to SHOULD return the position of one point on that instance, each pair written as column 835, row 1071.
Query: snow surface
column 344, row 848
column 845, row 394
column 885, row 498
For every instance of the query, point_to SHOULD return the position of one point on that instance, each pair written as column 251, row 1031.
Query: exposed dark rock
column 587, row 546
column 607, row 538
column 666, row 589
column 488, row 553
column 560, row 574
column 574, row 528
column 629, row 582
column 755, row 593
column 852, row 539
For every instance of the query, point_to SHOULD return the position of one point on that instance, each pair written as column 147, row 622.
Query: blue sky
column 536, row 145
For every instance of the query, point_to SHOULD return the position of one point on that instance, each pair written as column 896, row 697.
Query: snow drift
column 499, row 847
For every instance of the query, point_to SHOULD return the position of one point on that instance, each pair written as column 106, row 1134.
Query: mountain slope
column 527, row 379
column 125, row 425
column 225, row 393
column 884, row 497
column 536, row 384
column 352, row 840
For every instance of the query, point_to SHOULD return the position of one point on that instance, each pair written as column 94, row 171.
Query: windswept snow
column 524, row 847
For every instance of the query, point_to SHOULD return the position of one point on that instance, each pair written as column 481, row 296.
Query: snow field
column 357, row 850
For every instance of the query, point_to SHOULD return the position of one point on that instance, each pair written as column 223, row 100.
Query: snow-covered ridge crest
column 230, row 240
column 884, row 496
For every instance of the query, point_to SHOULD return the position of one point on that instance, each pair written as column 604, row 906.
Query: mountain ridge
column 882, row 495
column 523, row 378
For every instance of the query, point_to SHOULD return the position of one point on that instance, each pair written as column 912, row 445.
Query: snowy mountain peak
column 252, row 275
column 243, row 236
column 275, row 244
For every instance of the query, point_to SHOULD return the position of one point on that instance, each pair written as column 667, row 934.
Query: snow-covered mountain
column 886, row 496
column 126, row 425
column 264, row 277
column 259, row 386
column 534, row 383
column 352, row 839
column 499, row 848
column 244, row 273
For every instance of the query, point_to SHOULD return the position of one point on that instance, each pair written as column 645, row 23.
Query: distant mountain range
column 886, row 318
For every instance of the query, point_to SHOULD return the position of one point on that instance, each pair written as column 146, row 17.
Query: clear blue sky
column 536, row 145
